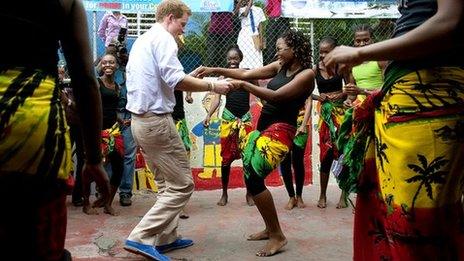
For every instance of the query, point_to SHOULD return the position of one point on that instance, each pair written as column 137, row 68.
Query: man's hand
column 222, row 87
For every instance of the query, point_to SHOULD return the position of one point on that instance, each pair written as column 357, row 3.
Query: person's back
column 35, row 151
column 31, row 34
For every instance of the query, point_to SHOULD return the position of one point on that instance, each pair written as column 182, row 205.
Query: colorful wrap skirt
column 182, row 129
column 331, row 116
column 263, row 151
column 233, row 132
column 410, row 186
column 300, row 139
column 34, row 137
column 112, row 140
column 35, row 162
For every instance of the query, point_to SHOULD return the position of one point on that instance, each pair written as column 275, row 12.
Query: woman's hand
column 352, row 89
column 96, row 172
column 206, row 121
column 345, row 56
column 302, row 129
column 189, row 98
column 203, row 71
column 237, row 84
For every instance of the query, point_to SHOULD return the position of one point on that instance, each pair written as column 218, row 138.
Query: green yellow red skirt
column 34, row 138
column 409, row 198
column 233, row 132
column 263, row 151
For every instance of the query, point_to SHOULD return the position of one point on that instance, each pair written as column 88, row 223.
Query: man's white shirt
column 153, row 71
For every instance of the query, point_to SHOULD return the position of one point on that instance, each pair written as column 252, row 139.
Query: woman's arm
column 214, row 105
column 440, row 32
column 264, row 72
column 302, row 84
column 76, row 48
column 308, row 107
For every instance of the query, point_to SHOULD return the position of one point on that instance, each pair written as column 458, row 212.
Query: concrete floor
column 219, row 232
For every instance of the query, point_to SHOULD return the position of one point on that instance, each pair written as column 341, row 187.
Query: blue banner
column 149, row 6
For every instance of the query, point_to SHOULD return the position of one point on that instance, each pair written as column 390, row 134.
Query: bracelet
column 211, row 86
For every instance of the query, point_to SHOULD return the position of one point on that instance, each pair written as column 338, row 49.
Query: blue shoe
column 144, row 250
column 179, row 243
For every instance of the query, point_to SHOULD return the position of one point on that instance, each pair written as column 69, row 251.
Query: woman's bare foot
column 273, row 246
column 322, row 203
column 299, row 202
column 342, row 204
column 89, row 210
column 291, row 203
column 249, row 200
column 110, row 210
column 99, row 203
column 263, row 235
column 223, row 200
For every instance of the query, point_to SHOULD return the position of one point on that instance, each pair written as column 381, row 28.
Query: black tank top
column 110, row 101
column 413, row 14
column 328, row 85
column 35, row 30
column 238, row 102
column 178, row 113
column 286, row 111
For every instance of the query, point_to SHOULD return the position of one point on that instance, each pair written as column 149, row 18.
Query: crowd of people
column 391, row 113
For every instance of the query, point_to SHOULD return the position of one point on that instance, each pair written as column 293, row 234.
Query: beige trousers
column 166, row 156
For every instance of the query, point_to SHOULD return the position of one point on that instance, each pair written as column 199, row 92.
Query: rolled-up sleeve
column 171, row 69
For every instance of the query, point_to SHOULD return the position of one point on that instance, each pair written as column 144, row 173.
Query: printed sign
column 149, row 6
column 340, row 9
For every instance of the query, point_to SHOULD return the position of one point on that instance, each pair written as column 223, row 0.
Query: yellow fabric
column 272, row 150
column 144, row 179
column 421, row 150
column 23, row 143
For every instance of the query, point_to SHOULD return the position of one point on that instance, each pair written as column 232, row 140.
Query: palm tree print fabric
column 413, row 171
column 263, row 151
column 233, row 132
column 34, row 136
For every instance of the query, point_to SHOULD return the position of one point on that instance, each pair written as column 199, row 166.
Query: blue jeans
column 129, row 157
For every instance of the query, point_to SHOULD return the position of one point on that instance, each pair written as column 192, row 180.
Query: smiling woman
column 263, row 149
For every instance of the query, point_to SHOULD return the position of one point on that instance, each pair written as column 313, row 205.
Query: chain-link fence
column 208, row 46
column 208, row 36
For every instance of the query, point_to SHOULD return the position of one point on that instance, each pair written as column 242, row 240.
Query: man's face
column 177, row 25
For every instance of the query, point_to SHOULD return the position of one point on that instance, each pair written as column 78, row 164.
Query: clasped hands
column 222, row 85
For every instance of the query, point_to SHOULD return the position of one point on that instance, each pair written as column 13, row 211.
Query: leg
column 225, row 169
column 324, row 179
column 342, row 201
column 76, row 137
column 33, row 226
column 286, row 172
column 163, row 148
column 298, row 168
column 265, row 204
column 117, row 165
column 125, row 189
